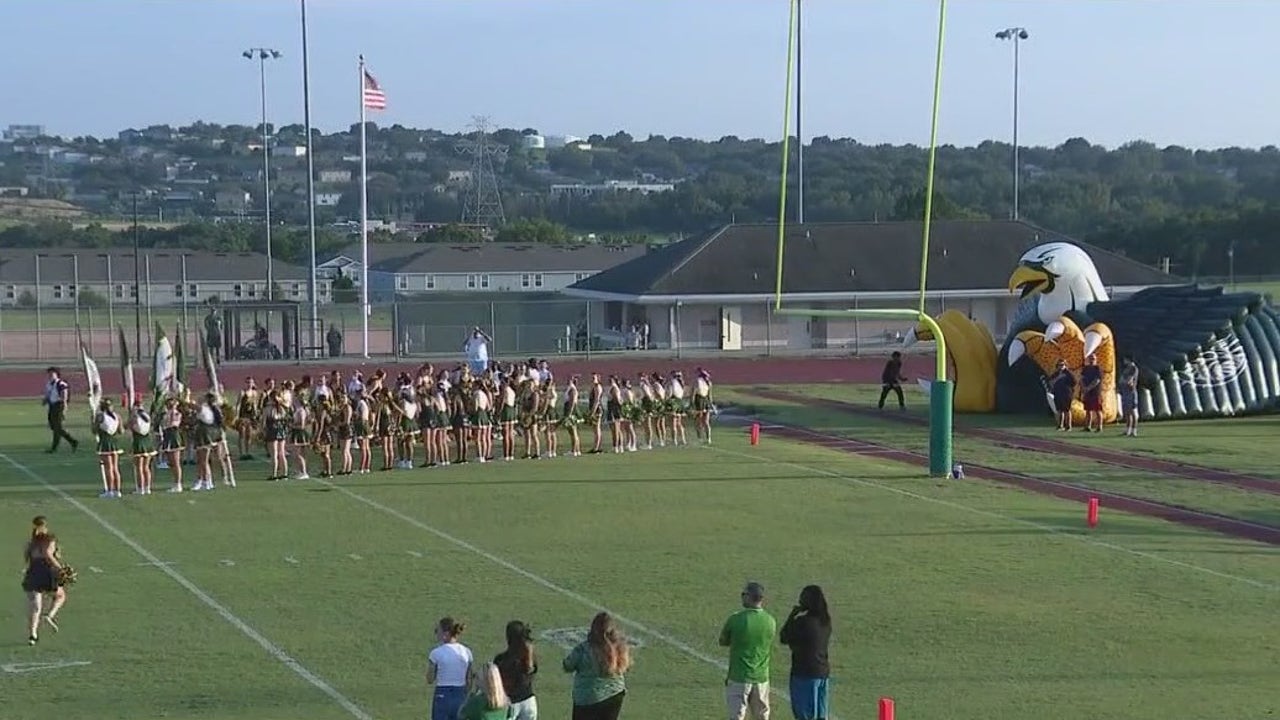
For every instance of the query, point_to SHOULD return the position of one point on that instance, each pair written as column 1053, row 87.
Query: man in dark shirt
column 891, row 380
column 1063, row 388
column 56, row 394
column 1091, row 392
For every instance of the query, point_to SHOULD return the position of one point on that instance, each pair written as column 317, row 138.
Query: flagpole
column 364, row 223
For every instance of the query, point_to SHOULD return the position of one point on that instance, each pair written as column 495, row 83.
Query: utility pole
column 1015, row 35
column 263, row 55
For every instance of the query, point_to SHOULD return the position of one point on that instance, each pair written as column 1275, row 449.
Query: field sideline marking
column 539, row 580
column 272, row 649
column 1048, row 529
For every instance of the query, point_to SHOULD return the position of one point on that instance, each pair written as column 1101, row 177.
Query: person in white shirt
column 702, row 404
column 477, row 349
column 449, row 668
column 355, row 386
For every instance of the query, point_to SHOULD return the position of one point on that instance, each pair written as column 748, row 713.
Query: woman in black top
column 517, row 665
column 42, row 577
column 807, row 632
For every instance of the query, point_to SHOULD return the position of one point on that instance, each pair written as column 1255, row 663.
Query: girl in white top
column 676, row 391
column 702, row 406
column 449, row 668
column 660, row 404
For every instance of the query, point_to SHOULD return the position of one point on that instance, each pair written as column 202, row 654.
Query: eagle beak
column 1017, row 349
column 1029, row 280
column 910, row 339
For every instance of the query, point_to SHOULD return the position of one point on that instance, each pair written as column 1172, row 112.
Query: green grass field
column 962, row 600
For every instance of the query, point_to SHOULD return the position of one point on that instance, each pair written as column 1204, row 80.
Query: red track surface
column 724, row 371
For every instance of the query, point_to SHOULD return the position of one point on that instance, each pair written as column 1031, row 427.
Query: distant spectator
column 1062, row 388
column 1129, row 397
column 334, row 339
column 599, row 666
column 477, row 349
column 749, row 633
column 807, row 632
column 1091, row 394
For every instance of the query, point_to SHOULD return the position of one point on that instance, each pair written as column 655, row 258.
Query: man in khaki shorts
column 749, row 633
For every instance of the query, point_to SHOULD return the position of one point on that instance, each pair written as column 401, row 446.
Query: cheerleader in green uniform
column 324, row 425
column 143, row 447
column 171, row 422
column 630, row 416
column 275, row 430
column 106, row 427
column 659, row 407
column 551, row 417
column 384, row 426
column 571, row 416
column 342, row 429
column 530, row 409
column 407, row 405
column 644, row 391
column 300, row 431
column 677, row 407
column 438, row 421
column 459, row 420
column 362, row 418
column 507, row 417
column 482, row 420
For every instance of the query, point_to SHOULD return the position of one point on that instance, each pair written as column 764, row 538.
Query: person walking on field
column 891, row 380
column 807, row 632
column 56, row 395
column 1129, row 397
column 749, row 633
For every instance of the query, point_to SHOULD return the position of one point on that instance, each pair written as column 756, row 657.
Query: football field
column 316, row 599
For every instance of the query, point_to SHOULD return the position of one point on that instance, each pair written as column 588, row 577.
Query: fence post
column 395, row 329
column 493, row 330
column 2, row 330
column 588, row 329
column 768, row 328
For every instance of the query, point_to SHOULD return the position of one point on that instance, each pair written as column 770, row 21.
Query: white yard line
column 544, row 582
column 235, row 621
column 1048, row 529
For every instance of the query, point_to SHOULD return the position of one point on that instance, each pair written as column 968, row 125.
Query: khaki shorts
column 747, row 700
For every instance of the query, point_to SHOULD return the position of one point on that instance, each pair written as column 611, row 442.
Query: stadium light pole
column 262, row 55
column 1015, row 35
column 311, row 180
column 137, row 280
column 1231, row 265
column 799, row 110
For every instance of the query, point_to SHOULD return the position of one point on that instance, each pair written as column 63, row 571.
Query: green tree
column 537, row 230
column 452, row 233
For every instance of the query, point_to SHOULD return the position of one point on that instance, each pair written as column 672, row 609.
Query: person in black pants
column 56, row 394
column 891, row 380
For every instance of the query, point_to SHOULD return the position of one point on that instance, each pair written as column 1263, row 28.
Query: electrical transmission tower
column 483, row 204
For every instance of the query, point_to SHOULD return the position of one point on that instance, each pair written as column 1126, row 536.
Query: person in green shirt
column 599, row 668
column 489, row 700
column 749, row 633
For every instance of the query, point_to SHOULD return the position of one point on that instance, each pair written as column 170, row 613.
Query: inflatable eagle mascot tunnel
column 1200, row 352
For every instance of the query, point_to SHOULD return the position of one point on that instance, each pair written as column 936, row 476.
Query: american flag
column 374, row 98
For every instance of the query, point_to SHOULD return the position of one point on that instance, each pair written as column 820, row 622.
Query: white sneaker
column 105, row 494
column 302, row 476
column 175, row 489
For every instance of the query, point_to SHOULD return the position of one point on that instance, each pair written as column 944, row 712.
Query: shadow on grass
column 420, row 480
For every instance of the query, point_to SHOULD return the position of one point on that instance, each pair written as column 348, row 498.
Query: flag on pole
column 374, row 98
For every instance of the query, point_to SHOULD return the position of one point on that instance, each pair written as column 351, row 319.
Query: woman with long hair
column 42, row 577
column 300, row 428
column 489, row 700
column 807, row 632
column 449, row 668
column 143, row 447
column 275, row 429
column 248, row 407
column 551, row 419
column 599, row 666
column 342, row 421
column 171, row 423
column 384, row 426
column 362, row 424
column 517, row 665
column 507, row 416
column 106, row 426
column 571, row 416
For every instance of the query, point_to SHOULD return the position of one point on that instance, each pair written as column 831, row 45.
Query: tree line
column 1198, row 208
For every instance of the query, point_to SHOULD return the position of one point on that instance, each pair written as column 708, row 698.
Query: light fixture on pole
column 1016, row 35
column 262, row 55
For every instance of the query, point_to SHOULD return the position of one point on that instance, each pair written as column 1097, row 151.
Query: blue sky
column 1198, row 74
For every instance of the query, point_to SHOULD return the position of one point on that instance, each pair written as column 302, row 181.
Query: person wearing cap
column 1062, row 386
column 749, row 633
column 57, row 393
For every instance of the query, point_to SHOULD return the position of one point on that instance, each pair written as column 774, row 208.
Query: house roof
column 846, row 258
column 18, row 267
column 424, row 258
